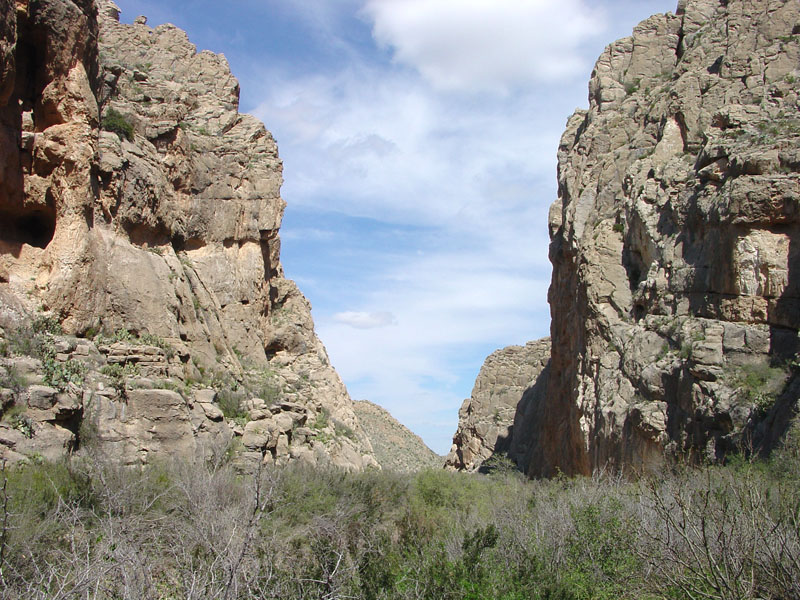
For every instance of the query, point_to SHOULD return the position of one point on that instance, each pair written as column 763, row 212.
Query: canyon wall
column 496, row 420
column 136, row 202
column 675, row 244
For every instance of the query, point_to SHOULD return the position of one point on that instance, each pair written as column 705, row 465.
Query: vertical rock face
column 134, row 197
column 675, row 243
column 503, row 407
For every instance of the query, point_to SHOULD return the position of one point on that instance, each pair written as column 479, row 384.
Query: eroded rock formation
column 134, row 197
column 497, row 418
column 675, row 246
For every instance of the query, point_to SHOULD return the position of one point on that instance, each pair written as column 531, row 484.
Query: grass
column 230, row 403
column 116, row 122
column 143, row 339
column 15, row 416
column 632, row 86
column 760, row 384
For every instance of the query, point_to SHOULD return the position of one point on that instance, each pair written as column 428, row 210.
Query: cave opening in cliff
column 35, row 228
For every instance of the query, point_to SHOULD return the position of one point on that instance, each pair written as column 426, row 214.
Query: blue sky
column 419, row 144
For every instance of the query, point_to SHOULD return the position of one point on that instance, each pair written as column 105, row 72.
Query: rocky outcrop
column 503, row 408
column 674, row 245
column 136, row 198
column 675, row 296
column 396, row 447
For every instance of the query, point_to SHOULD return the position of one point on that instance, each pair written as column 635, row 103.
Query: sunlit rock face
column 675, row 247
column 675, row 244
column 135, row 196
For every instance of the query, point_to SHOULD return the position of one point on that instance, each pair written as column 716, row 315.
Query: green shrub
column 39, row 488
column 119, row 374
column 230, row 403
column 499, row 464
column 760, row 384
column 344, row 429
column 60, row 374
column 153, row 340
column 301, row 532
column 115, row 122
column 12, row 380
column 47, row 324
column 16, row 417
column 145, row 339
column 633, row 86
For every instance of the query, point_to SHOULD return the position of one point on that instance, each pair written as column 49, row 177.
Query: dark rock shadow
column 525, row 433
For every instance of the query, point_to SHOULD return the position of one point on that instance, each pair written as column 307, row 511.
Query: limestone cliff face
column 675, row 244
column 504, row 405
column 136, row 198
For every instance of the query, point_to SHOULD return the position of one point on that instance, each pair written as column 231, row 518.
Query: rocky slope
column 396, row 447
column 136, row 201
column 674, row 243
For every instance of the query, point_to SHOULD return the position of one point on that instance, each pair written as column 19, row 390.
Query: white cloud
column 476, row 173
column 365, row 320
column 379, row 144
column 478, row 179
column 486, row 45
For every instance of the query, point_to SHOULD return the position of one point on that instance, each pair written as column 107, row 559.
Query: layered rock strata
column 136, row 198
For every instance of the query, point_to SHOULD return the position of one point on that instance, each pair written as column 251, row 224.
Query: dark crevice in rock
column 272, row 349
column 715, row 68
column 35, row 228
column 147, row 235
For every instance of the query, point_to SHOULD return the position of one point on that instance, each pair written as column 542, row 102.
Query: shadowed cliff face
column 504, row 406
column 674, row 298
column 134, row 196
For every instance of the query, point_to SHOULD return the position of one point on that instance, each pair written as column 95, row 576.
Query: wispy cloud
column 365, row 320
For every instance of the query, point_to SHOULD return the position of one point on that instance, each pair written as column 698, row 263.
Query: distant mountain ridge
column 396, row 447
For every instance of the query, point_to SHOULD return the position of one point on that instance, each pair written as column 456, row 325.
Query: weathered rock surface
column 675, row 292
column 396, row 447
column 675, row 296
column 506, row 399
column 134, row 196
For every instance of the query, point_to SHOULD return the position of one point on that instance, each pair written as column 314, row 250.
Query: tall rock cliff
column 675, row 244
column 136, row 201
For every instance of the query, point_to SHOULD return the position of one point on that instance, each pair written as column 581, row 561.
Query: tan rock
column 165, row 222
column 496, row 419
column 672, row 241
